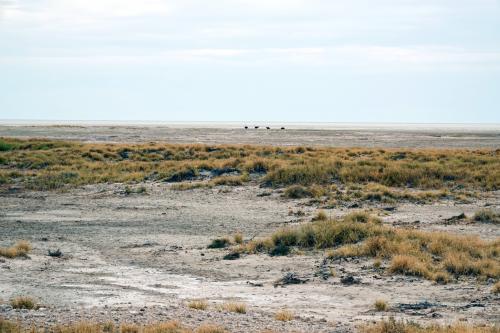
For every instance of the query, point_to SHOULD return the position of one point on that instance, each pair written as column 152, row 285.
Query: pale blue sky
column 240, row 60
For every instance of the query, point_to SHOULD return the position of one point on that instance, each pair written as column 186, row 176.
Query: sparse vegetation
column 198, row 304
column 23, row 302
column 381, row 305
column 434, row 256
column 284, row 315
column 20, row 249
column 393, row 326
column 49, row 164
column 385, row 326
column 89, row 327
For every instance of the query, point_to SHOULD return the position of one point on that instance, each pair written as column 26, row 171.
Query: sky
column 419, row 61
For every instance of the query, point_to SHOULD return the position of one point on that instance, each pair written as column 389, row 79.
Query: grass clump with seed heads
column 198, row 304
column 381, row 305
column 20, row 249
column 284, row 315
column 235, row 307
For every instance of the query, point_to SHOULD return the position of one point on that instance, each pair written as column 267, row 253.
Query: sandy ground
column 141, row 257
column 396, row 136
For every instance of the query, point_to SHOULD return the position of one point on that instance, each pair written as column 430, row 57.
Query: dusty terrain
column 141, row 257
column 123, row 253
column 339, row 135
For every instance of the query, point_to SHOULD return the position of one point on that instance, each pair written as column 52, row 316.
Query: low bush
column 219, row 243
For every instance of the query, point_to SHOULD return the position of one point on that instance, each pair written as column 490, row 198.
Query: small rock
column 349, row 280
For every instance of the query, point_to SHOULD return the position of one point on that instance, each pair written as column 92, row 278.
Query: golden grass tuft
column 24, row 302
column 408, row 265
column 496, row 288
column 320, row 216
column 284, row 315
column 234, row 307
column 20, row 249
column 198, row 304
column 381, row 305
column 238, row 238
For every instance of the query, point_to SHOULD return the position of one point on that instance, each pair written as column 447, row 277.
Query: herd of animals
column 267, row 127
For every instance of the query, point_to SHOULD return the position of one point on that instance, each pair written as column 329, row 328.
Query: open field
column 331, row 135
column 223, row 234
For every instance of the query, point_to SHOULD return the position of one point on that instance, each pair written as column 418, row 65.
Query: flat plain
column 321, row 223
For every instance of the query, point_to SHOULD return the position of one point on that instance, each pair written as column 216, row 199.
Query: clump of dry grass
column 284, row 315
column 129, row 328
column 235, row 307
column 408, row 265
column 496, row 288
column 320, row 216
column 379, row 192
column 381, row 305
column 24, row 302
column 433, row 256
column 210, row 328
column 238, row 238
column 190, row 186
column 486, row 216
column 229, row 180
column 393, row 326
column 20, row 249
column 301, row 192
column 198, row 304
